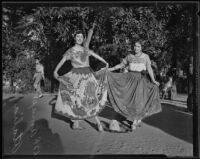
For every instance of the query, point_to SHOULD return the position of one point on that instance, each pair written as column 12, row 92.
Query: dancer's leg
column 76, row 124
column 133, row 125
column 100, row 128
column 39, row 90
column 36, row 90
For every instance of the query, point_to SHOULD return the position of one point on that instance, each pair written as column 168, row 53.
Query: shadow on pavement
column 24, row 135
column 57, row 116
column 8, row 122
column 7, row 100
column 39, row 140
column 49, row 143
column 9, row 103
column 109, row 113
column 93, row 125
column 174, row 121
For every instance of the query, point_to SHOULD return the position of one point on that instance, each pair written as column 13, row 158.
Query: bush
column 21, row 72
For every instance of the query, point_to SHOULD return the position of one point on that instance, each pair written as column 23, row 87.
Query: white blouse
column 136, row 63
column 137, row 67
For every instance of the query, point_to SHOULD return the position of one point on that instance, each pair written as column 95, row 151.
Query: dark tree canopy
column 47, row 32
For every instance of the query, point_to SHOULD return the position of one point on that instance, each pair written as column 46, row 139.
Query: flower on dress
column 90, row 94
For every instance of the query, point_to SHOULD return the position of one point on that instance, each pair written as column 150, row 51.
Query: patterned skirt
column 133, row 95
column 82, row 93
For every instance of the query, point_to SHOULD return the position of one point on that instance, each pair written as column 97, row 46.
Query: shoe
column 139, row 121
column 99, row 127
column 114, row 126
column 134, row 124
column 133, row 127
column 76, row 126
column 35, row 97
column 40, row 96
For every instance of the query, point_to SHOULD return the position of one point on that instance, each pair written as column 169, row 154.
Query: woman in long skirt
column 134, row 94
column 81, row 94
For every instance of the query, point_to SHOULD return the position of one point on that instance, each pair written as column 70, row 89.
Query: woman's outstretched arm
column 119, row 66
column 99, row 58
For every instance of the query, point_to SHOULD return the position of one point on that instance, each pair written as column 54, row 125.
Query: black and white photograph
column 95, row 79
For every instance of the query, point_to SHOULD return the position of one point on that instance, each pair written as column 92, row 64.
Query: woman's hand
column 56, row 75
column 107, row 65
column 157, row 83
column 93, row 25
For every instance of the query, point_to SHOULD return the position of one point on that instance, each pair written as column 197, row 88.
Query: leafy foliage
column 47, row 32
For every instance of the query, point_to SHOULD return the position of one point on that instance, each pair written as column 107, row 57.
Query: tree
column 47, row 32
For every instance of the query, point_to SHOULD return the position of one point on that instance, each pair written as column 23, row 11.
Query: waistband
column 82, row 70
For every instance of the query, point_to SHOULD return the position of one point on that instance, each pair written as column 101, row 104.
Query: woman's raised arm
column 88, row 39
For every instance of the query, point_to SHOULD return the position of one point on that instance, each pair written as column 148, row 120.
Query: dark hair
column 140, row 42
column 40, row 60
column 78, row 32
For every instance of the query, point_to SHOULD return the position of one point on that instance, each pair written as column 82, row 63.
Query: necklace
column 138, row 55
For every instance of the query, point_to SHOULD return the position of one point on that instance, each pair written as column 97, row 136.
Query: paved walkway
column 169, row 132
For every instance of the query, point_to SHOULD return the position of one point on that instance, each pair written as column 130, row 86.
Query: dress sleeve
column 67, row 54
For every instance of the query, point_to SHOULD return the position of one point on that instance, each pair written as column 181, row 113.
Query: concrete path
column 31, row 127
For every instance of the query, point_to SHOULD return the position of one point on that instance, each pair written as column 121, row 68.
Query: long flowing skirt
column 82, row 94
column 133, row 94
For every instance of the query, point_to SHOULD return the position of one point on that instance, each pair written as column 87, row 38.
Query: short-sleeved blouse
column 78, row 58
column 39, row 68
column 136, row 63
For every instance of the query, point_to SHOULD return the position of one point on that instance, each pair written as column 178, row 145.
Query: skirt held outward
column 82, row 94
column 133, row 95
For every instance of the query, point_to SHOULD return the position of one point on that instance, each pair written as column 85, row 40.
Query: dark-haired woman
column 134, row 94
column 81, row 94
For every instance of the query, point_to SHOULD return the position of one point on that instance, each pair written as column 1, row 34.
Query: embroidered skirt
column 82, row 93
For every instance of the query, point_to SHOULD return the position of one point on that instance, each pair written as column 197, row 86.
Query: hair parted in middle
column 78, row 32
column 141, row 42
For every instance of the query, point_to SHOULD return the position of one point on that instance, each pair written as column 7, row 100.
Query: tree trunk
column 52, row 78
column 50, row 62
column 11, row 84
